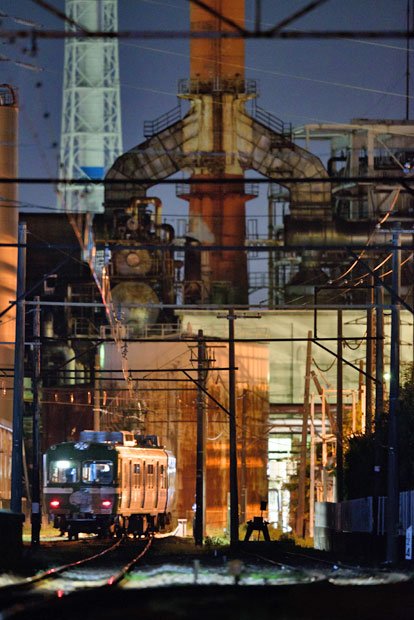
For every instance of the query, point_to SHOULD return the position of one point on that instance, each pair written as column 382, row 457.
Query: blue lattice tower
column 91, row 115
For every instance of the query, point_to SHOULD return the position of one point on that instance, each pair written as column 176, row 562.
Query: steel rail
column 31, row 605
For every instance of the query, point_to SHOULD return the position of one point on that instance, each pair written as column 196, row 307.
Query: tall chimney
column 217, row 210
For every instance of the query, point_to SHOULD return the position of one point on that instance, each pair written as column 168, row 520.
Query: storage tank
column 136, row 303
column 9, row 214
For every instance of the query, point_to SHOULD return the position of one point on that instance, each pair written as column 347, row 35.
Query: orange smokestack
column 212, row 58
column 217, row 210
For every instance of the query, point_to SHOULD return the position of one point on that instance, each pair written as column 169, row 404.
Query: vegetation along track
column 101, row 570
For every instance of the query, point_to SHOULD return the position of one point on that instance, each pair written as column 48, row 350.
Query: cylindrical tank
column 136, row 303
column 9, row 215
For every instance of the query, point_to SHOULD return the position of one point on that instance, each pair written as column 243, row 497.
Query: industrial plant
column 255, row 374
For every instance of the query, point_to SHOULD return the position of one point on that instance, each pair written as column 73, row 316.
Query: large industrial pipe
column 314, row 233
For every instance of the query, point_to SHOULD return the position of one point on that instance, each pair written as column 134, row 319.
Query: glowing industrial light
column 55, row 503
column 387, row 376
column 106, row 503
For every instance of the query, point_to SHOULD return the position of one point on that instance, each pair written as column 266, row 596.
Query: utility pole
column 369, row 363
column 234, row 496
column 300, row 515
column 392, row 482
column 325, row 403
column 379, row 393
column 36, row 516
column 407, row 65
column 339, row 416
column 199, row 526
column 96, row 393
column 312, row 469
column 18, row 382
column 243, row 477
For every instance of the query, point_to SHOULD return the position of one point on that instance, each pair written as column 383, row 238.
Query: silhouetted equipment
column 258, row 524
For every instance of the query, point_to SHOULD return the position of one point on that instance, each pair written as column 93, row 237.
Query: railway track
column 309, row 567
column 179, row 581
column 103, row 570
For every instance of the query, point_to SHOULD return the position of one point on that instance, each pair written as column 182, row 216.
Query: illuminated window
column 100, row 472
column 63, row 472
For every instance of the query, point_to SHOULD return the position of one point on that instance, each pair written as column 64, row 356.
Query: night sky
column 299, row 81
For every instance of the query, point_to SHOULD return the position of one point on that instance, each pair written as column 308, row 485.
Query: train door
column 136, row 485
column 144, row 483
column 126, row 490
column 150, row 487
column 157, row 483
column 162, row 493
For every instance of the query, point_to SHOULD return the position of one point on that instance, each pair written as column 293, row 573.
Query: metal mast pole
column 379, row 394
column 97, row 393
column 17, row 450
column 407, row 68
column 303, row 445
column 91, row 136
column 369, row 364
column 339, row 416
column 36, row 516
column 234, row 499
column 392, row 482
column 201, row 465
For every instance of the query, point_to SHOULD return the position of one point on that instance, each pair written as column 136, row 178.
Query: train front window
column 100, row 472
column 63, row 472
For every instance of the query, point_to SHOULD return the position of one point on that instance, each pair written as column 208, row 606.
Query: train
column 109, row 483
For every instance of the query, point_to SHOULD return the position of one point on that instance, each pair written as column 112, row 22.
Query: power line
column 12, row 35
column 216, row 180
column 52, row 9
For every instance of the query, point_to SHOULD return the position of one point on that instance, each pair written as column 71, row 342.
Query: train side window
column 137, row 474
column 150, row 472
column 163, row 477
column 100, row 472
column 63, row 472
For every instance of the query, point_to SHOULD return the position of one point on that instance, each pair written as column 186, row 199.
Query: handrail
column 271, row 121
column 151, row 128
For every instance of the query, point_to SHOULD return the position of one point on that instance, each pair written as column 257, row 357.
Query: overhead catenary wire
column 295, row 35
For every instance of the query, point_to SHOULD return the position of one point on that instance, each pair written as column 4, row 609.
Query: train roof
column 113, row 440
column 120, row 438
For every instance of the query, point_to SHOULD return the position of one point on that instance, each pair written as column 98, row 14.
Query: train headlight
column 55, row 503
column 106, row 503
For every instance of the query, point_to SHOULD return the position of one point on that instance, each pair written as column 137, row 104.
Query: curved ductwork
column 257, row 147
column 216, row 140
column 157, row 158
